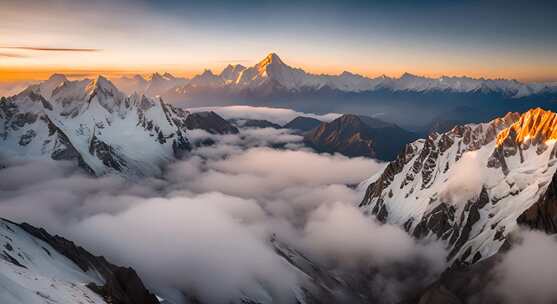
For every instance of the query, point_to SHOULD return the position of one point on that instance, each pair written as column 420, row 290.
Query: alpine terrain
column 472, row 186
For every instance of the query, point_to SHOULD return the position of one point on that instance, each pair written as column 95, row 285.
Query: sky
column 495, row 39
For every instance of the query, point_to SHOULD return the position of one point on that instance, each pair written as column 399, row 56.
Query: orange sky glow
column 86, row 38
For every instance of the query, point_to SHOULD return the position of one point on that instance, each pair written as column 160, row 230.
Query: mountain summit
column 470, row 187
column 272, row 58
column 91, row 121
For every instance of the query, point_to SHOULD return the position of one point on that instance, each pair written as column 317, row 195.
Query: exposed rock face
column 303, row 124
column 210, row 122
column 510, row 170
column 543, row 214
column 354, row 135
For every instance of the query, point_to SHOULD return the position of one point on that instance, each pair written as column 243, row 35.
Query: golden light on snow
column 535, row 124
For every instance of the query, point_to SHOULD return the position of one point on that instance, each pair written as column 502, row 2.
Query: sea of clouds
column 204, row 228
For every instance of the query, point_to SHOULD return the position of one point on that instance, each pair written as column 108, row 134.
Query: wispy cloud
column 50, row 49
column 11, row 55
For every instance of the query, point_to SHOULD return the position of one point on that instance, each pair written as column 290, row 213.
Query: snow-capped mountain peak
column 231, row 72
column 207, row 79
column 91, row 121
column 536, row 125
column 271, row 59
column 469, row 186
column 46, row 87
column 101, row 83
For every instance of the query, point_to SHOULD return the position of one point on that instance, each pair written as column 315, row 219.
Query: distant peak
column 168, row 75
column 102, row 83
column 156, row 75
column 272, row 58
column 237, row 66
column 58, row 77
column 138, row 77
column 207, row 72
column 101, row 79
column 407, row 75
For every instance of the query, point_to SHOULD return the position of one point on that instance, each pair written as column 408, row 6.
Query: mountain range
column 413, row 102
column 91, row 121
column 271, row 82
column 273, row 72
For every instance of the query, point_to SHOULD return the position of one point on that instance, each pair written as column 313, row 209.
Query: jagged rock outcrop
column 470, row 186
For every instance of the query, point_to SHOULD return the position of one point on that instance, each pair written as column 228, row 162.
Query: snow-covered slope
column 95, row 123
column 469, row 186
column 33, row 269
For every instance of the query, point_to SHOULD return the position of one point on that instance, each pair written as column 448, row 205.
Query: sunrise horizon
column 375, row 38
column 44, row 72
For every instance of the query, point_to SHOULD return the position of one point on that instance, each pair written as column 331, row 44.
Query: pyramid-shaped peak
column 407, row 75
column 272, row 58
column 102, row 83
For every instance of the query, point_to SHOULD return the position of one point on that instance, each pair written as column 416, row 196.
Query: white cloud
column 527, row 272
column 465, row 180
column 279, row 116
column 205, row 226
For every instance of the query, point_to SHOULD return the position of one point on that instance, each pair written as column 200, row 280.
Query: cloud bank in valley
column 279, row 116
column 205, row 226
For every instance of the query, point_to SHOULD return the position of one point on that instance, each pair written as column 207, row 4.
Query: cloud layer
column 279, row 116
column 205, row 227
